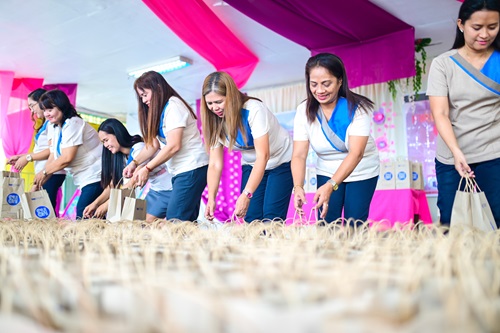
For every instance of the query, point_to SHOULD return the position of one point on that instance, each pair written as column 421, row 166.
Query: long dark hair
column 468, row 8
column 112, row 165
column 57, row 98
column 161, row 91
column 35, row 95
column 334, row 66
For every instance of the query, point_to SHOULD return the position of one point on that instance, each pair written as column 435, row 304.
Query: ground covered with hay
column 183, row 277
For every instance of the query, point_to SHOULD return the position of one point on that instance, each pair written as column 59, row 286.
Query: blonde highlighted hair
column 214, row 129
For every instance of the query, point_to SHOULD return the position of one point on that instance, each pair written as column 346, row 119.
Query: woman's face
column 480, row 30
column 324, row 86
column 215, row 103
column 145, row 95
column 54, row 115
column 110, row 142
column 35, row 109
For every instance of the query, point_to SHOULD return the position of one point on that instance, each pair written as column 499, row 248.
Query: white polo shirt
column 160, row 179
column 86, row 165
column 41, row 143
column 330, row 159
column 262, row 122
column 192, row 154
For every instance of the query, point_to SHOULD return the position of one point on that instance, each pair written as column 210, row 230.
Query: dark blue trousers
column 487, row 177
column 353, row 198
column 89, row 193
column 52, row 187
column 272, row 197
column 187, row 188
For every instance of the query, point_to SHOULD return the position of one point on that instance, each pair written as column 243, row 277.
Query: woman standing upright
column 164, row 116
column 336, row 123
column 41, row 150
column 75, row 147
column 464, row 95
column 232, row 119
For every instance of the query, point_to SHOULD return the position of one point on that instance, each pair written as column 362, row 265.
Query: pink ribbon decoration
column 194, row 23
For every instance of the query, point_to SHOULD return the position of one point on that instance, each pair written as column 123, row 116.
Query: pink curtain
column 374, row 45
column 205, row 33
column 17, row 126
column 68, row 88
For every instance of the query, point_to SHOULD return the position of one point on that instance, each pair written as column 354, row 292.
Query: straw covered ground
column 183, row 277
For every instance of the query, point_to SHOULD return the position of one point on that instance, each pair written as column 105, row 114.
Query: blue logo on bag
column 313, row 181
column 42, row 212
column 415, row 175
column 402, row 175
column 388, row 175
column 13, row 199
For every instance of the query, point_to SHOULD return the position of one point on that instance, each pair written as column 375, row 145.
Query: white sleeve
column 176, row 115
column 300, row 124
column 258, row 118
column 72, row 132
column 361, row 124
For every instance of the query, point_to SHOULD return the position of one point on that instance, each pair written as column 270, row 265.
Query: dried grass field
column 92, row 276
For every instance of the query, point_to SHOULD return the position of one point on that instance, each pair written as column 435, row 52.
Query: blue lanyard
column 58, row 147
column 43, row 128
column 130, row 157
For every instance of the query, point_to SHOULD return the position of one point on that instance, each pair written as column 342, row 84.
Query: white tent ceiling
column 95, row 43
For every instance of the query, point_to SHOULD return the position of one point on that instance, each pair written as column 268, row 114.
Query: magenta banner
column 374, row 45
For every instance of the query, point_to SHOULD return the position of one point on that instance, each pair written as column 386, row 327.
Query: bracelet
column 301, row 186
column 135, row 162
column 147, row 168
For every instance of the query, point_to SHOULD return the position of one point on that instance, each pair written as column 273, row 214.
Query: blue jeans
column 89, row 193
column 272, row 196
column 187, row 188
column 353, row 198
column 52, row 186
column 487, row 177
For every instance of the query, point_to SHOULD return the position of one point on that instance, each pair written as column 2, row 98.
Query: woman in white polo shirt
column 336, row 123
column 75, row 147
column 41, row 149
column 235, row 120
column 121, row 149
column 165, row 117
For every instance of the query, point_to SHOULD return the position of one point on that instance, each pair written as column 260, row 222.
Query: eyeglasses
column 31, row 106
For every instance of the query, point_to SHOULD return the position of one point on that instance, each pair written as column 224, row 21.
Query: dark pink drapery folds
column 374, row 45
column 194, row 23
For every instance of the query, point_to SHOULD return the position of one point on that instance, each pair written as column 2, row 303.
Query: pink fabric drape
column 68, row 88
column 17, row 126
column 205, row 33
column 374, row 45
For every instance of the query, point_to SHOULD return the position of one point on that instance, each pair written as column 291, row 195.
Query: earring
column 461, row 31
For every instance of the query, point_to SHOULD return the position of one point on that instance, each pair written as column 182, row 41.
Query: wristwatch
column 334, row 184
column 29, row 158
column 248, row 194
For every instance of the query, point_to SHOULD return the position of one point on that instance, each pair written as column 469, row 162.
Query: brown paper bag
column 10, row 174
column 115, row 203
column 134, row 209
column 10, row 194
column 471, row 208
column 37, row 205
